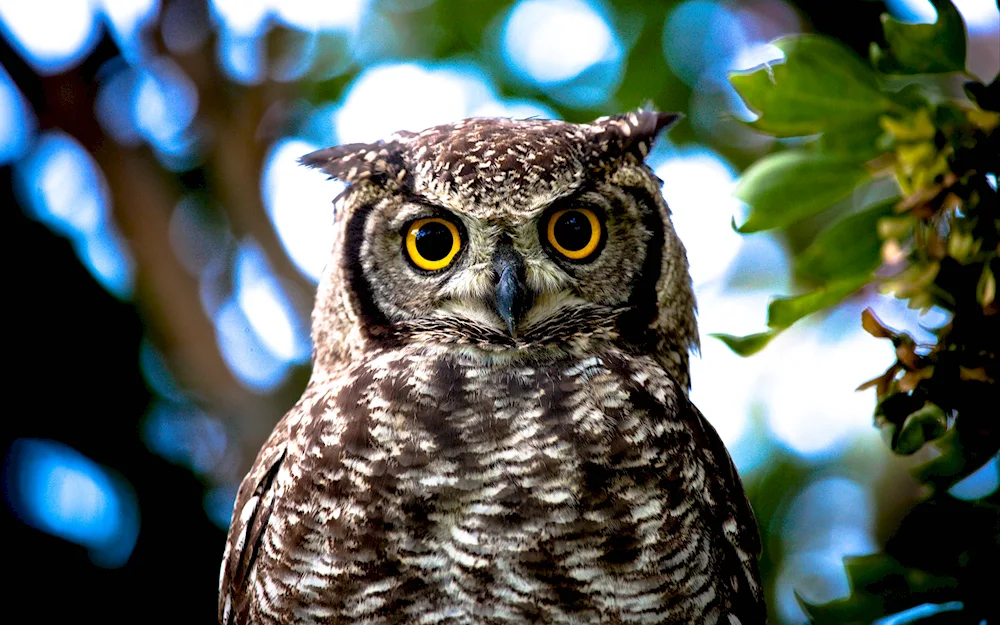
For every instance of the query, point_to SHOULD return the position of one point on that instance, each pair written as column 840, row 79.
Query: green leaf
column 857, row 608
column 913, row 96
column 821, row 85
column 957, row 454
column 849, row 247
column 927, row 424
column 986, row 96
column 923, row 48
column 789, row 186
column 783, row 312
column 986, row 288
column 746, row 345
column 867, row 571
column 881, row 585
column 857, row 142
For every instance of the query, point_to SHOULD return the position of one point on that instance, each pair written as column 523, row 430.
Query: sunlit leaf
column 783, row 312
column 986, row 289
column 874, row 326
column 821, row 85
column 961, row 244
column 849, row 247
column 747, row 345
column 975, row 374
column 923, row 48
column 789, row 186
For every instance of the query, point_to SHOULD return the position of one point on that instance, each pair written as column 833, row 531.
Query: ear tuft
column 381, row 162
column 631, row 133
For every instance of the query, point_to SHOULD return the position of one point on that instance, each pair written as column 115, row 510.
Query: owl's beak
column 513, row 297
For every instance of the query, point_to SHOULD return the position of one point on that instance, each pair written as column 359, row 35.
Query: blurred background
column 164, row 249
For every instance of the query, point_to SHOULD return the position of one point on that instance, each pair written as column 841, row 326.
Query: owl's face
column 509, row 271
column 505, row 235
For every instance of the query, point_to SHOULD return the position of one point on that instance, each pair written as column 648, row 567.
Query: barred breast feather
column 454, row 487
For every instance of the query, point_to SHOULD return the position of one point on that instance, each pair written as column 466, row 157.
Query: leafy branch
column 935, row 243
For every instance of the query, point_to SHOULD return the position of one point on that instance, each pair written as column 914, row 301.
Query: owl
column 497, row 428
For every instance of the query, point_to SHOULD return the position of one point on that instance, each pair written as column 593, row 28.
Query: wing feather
column 254, row 504
column 735, row 517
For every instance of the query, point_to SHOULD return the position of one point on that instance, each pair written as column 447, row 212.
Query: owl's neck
column 486, row 347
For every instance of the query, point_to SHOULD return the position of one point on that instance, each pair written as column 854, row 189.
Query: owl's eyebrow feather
column 418, row 207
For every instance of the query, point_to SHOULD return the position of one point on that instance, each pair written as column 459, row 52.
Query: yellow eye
column 432, row 243
column 575, row 233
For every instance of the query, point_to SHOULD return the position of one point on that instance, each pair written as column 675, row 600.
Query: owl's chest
column 493, row 448
column 505, row 494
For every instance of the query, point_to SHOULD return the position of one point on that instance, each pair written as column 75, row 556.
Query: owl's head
column 512, row 237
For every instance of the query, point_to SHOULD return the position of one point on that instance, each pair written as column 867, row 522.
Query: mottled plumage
column 508, row 439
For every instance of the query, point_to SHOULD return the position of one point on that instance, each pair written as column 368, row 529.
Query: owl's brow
column 416, row 207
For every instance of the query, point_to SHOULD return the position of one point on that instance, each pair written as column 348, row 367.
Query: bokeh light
column 982, row 17
column 566, row 47
column 127, row 20
column 698, row 186
column 554, row 41
column 701, row 39
column 983, row 483
column 164, row 105
column 300, row 204
column 50, row 45
column 61, row 492
column 241, row 56
column 248, row 358
column 62, row 187
column 185, row 435
column 320, row 14
column 830, row 519
column 979, row 15
column 17, row 122
column 814, row 383
column 156, row 373
column 218, row 504
column 259, row 334
column 266, row 306
column 247, row 17
column 435, row 94
column 915, row 615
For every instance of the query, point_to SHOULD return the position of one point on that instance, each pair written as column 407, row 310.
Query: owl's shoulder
column 277, row 479
column 678, row 425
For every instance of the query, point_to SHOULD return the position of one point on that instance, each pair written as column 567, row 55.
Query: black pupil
column 434, row 240
column 573, row 231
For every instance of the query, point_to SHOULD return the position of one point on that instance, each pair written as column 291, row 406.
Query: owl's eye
column 432, row 243
column 575, row 233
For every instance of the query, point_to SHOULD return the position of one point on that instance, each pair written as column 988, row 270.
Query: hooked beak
column 513, row 298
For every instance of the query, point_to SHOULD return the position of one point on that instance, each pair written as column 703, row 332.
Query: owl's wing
column 735, row 517
column 254, row 503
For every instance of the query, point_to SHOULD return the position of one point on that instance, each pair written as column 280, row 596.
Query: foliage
column 935, row 244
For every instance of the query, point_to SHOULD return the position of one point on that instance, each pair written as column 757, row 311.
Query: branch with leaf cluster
column 934, row 242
